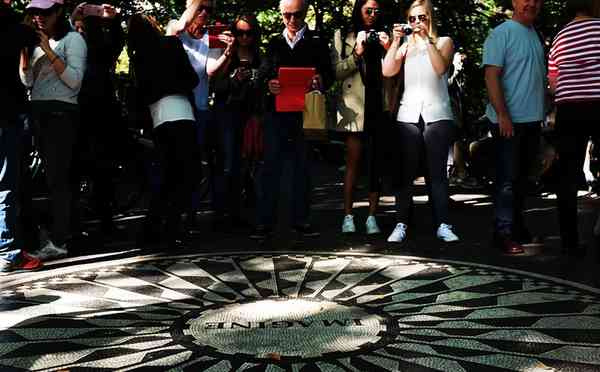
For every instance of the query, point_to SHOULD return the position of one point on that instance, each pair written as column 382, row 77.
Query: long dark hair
column 586, row 7
column 357, row 21
column 143, row 35
column 253, row 22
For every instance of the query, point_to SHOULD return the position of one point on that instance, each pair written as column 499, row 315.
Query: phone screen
column 244, row 63
column 93, row 10
column 213, row 40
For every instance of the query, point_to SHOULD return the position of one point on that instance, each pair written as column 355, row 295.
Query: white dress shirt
column 299, row 36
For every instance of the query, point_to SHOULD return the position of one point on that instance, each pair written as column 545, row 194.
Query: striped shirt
column 574, row 61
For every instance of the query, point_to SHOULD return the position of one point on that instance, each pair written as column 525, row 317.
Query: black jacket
column 14, row 37
column 164, row 70
column 311, row 51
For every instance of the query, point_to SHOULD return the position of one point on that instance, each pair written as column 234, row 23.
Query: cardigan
column 45, row 83
column 164, row 70
column 308, row 52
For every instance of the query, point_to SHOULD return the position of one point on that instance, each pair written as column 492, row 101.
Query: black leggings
column 575, row 123
column 428, row 145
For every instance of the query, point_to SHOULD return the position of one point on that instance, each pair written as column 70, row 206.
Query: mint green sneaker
column 371, row 226
column 348, row 225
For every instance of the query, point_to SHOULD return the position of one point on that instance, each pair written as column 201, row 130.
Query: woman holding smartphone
column 54, row 71
column 165, row 79
column 362, row 101
column 425, row 122
column 237, row 100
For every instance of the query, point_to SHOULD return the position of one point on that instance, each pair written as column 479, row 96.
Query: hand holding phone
column 93, row 10
column 213, row 36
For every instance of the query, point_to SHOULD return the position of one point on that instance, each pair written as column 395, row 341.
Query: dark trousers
column 428, row 145
column 55, row 134
column 515, row 158
column 175, row 144
column 575, row 122
column 283, row 137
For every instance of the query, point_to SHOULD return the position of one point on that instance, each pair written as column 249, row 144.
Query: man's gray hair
column 304, row 4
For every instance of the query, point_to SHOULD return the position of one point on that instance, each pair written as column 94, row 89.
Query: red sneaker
column 23, row 263
column 508, row 246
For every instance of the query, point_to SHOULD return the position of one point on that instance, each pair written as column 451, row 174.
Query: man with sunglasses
column 296, row 46
column 207, row 61
column 15, row 38
column 513, row 59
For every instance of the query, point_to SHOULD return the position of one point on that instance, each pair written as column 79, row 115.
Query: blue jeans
column 203, row 119
column 284, row 136
column 10, row 161
column 515, row 158
column 226, row 180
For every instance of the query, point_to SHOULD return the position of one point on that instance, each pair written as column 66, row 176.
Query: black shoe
column 575, row 250
column 176, row 244
column 306, row 231
column 261, row 233
column 522, row 236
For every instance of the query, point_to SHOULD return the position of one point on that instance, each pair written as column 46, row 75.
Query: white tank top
column 425, row 93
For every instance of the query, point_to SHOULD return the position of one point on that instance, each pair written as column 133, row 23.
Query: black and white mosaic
column 297, row 312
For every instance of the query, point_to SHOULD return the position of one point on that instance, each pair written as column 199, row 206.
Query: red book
column 294, row 82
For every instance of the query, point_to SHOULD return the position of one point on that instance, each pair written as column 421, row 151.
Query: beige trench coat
column 350, row 99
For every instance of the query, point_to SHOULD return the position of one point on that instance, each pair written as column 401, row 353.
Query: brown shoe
column 507, row 245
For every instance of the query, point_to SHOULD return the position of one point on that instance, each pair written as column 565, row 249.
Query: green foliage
column 466, row 21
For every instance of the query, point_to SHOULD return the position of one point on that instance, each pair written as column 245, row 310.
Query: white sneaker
column 348, row 225
column 50, row 251
column 399, row 234
column 445, row 233
column 371, row 226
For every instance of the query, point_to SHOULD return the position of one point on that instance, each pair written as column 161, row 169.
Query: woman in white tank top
column 425, row 127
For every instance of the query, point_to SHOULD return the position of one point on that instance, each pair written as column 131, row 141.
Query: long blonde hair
column 426, row 4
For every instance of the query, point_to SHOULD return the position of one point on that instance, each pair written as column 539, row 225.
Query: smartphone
column 93, row 10
column 213, row 36
column 244, row 63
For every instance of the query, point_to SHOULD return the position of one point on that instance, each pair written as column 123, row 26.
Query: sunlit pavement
column 334, row 303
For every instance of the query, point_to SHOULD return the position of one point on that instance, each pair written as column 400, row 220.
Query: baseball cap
column 44, row 4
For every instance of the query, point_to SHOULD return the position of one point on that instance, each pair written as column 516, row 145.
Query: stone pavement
column 334, row 303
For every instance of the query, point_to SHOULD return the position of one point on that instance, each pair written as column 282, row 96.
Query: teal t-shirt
column 518, row 50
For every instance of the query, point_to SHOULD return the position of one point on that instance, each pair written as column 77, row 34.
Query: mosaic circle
column 297, row 312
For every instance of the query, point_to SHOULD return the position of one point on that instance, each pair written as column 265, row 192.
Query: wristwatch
column 430, row 40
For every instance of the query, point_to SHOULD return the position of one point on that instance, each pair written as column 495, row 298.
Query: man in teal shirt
column 513, row 59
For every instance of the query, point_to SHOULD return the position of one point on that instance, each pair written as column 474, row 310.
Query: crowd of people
column 56, row 74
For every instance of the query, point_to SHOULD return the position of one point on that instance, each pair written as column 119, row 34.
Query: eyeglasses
column 373, row 11
column 422, row 18
column 247, row 33
column 299, row 14
column 206, row 8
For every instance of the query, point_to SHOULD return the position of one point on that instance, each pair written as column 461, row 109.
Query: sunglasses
column 206, row 8
column 248, row 33
column 373, row 11
column 299, row 14
column 421, row 17
column 41, row 12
